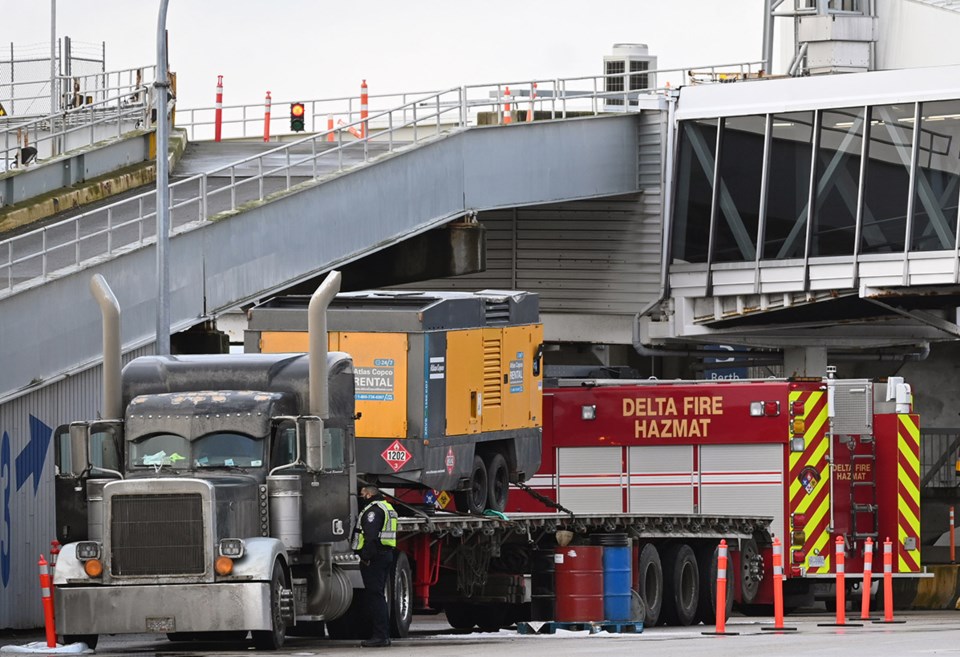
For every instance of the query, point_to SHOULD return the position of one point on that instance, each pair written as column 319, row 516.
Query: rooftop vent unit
column 627, row 73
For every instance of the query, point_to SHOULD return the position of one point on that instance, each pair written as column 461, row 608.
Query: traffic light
column 297, row 112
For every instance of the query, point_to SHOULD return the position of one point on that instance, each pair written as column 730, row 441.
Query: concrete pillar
column 805, row 361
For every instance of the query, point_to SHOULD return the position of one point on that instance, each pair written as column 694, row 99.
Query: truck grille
column 157, row 535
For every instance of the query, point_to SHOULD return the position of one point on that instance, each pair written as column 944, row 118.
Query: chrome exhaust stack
column 319, row 398
column 112, row 403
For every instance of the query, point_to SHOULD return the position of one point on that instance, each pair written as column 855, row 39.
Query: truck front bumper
column 169, row 608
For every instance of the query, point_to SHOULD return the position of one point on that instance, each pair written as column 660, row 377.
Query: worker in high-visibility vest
column 375, row 540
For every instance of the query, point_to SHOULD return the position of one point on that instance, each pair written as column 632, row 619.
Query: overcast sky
column 302, row 49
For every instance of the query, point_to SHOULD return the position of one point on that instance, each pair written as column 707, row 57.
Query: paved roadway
column 198, row 158
column 924, row 633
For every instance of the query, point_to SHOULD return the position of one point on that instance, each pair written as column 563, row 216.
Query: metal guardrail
column 938, row 458
column 117, row 97
column 32, row 258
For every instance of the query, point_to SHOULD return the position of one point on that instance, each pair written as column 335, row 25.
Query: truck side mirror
column 80, row 458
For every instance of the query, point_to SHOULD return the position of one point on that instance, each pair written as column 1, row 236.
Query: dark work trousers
column 374, row 576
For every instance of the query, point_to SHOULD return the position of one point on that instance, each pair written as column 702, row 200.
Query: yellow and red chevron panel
column 908, row 494
column 809, row 485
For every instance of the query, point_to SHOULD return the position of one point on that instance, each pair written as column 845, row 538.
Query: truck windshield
column 214, row 450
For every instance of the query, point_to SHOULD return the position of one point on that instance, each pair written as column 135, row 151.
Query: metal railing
column 939, row 451
column 31, row 258
column 119, row 97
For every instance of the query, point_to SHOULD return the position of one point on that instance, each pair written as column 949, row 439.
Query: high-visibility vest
column 388, row 533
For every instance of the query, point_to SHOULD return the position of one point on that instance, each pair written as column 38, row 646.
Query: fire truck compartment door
column 591, row 479
column 661, row 479
column 737, row 479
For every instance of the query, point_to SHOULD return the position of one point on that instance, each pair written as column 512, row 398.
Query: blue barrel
column 617, row 576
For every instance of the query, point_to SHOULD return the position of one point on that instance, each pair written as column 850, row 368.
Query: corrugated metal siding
column 591, row 479
column 661, row 479
column 26, row 447
column 594, row 256
column 737, row 477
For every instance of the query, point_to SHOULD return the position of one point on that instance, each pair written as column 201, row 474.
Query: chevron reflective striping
column 908, row 492
column 809, row 490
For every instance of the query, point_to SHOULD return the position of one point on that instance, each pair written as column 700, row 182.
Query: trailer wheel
column 707, row 605
column 650, row 584
column 400, row 597
column 681, row 580
column 750, row 571
column 498, row 482
column 460, row 615
column 474, row 499
column 273, row 638
column 89, row 639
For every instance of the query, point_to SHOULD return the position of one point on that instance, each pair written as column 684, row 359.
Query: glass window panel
column 838, row 176
column 887, row 183
column 694, row 190
column 788, row 186
column 938, row 177
column 738, row 206
column 691, row 214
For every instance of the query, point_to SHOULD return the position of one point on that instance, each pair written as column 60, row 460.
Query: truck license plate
column 161, row 624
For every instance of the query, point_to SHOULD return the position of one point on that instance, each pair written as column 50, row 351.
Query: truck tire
column 400, row 596
column 474, row 499
column 707, row 605
column 89, row 639
column 498, row 482
column 491, row 617
column 650, row 584
column 460, row 615
column 681, row 579
column 273, row 638
column 749, row 578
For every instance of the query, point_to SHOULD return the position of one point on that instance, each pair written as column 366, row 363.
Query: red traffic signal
column 297, row 114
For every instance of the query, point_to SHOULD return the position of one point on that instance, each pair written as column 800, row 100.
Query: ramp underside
column 55, row 328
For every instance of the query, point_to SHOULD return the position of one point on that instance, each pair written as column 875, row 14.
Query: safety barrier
column 720, row 628
column 778, row 625
column 46, row 592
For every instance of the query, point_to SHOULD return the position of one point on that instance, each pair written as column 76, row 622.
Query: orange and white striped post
column 266, row 118
column 867, row 575
column 46, row 592
column 841, row 586
column 721, row 617
column 778, row 588
column 533, row 100
column 506, row 107
column 364, row 108
column 218, row 115
column 888, row 583
column 330, row 128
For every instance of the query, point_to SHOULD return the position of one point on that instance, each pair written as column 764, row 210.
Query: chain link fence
column 25, row 77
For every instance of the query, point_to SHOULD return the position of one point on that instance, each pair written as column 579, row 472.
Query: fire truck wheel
column 707, row 606
column 749, row 571
column 460, row 615
column 273, row 639
column 681, row 579
column 498, row 482
column 650, row 583
column 474, row 499
column 89, row 639
column 400, row 597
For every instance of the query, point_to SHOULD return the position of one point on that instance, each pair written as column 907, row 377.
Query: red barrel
column 579, row 583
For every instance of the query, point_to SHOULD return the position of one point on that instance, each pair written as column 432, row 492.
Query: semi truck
column 215, row 497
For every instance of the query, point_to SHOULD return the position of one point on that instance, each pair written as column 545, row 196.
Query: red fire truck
column 823, row 458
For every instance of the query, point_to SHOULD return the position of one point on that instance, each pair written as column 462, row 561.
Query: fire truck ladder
column 861, row 510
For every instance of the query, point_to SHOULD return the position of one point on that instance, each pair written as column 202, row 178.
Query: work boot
column 375, row 643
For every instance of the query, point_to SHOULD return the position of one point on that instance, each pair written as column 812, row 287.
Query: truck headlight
column 87, row 550
column 231, row 547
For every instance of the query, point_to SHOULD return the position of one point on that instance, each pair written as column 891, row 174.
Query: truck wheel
column 474, row 499
column 681, row 579
column 650, row 584
column 749, row 571
column 707, row 605
column 498, row 482
column 89, row 639
column 400, row 597
column 460, row 615
column 491, row 617
column 272, row 639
